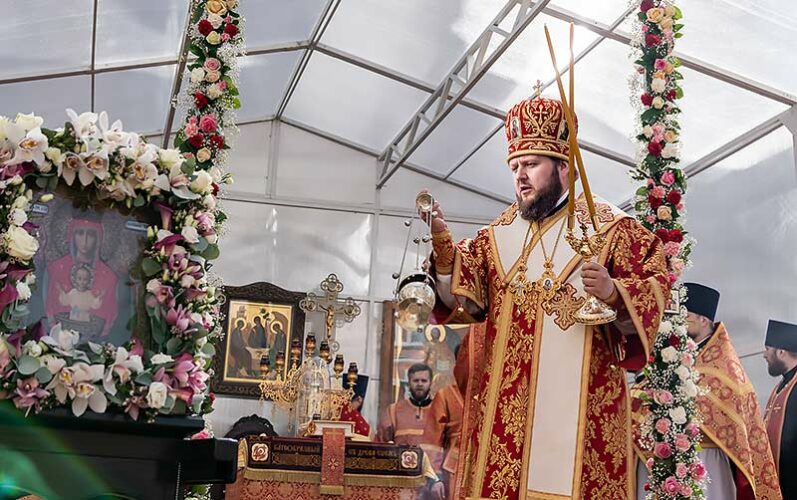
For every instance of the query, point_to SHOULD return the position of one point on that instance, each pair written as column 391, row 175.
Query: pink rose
column 671, row 248
column 682, row 442
column 663, row 397
column 672, row 277
column 651, row 183
column 681, row 471
column 658, row 192
column 191, row 129
column 687, row 360
column 222, row 85
column 668, row 178
column 658, row 132
column 660, row 64
column 212, row 64
column 208, row 123
column 686, row 491
column 651, row 219
column 677, row 264
column 680, row 207
column 671, row 485
column 698, row 471
column 662, row 450
column 693, row 429
column 225, row 37
column 663, row 425
column 649, row 463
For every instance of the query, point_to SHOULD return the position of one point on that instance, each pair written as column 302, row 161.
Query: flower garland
column 40, row 370
column 671, row 427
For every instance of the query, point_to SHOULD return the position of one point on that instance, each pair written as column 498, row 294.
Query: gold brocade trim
column 732, row 456
column 630, row 447
column 462, row 291
column 243, row 454
column 290, row 476
column 538, row 495
column 443, row 246
column 331, row 490
column 409, row 432
column 727, row 410
column 734, row 385
column 582, row 412
column 524, row 471
column 541, row 152
column 640, row 327
column 502, row 331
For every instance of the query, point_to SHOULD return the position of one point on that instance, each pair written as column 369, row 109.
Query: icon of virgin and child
column 84, row 273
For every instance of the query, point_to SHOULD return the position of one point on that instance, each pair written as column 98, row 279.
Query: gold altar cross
column 331, row 306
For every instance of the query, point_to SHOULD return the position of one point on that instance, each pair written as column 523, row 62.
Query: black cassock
column 788, row 442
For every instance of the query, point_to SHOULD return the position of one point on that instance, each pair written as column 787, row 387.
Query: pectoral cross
column 332, row 307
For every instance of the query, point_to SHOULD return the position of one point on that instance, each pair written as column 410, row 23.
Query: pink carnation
column 698, row 471
column 191, row 129
column 658, row 192
column 208, row 123
column 671, row 248
column 212, row 64
column 660, row 64
column 671, row 485
column 681, row 470
column 663, row 397
column 682, row 442
column 662, row 450
column 663, row 425
column 225, row 37
column 668, row 178
column 658, row 132
column 651, row 219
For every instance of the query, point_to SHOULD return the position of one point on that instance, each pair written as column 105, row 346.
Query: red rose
column 215, row 189
column 654, row 202
column 205, row 27
column 647, row 486
column 231, row 29
column 675, row 341
column 654, row 148
column 674, row 197
column 200, row 100
column 676, row 235
column 196, row 141
column 663, row 234
column 652, row 40
column 212, row 396
column 671, row 95
column 646, row 5
column 647, row 99
column 217, row 141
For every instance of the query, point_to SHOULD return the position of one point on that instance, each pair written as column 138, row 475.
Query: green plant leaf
column 43, row 375
column 211, row 252
column 150, row 266
column 28, row 365
column 144, row 378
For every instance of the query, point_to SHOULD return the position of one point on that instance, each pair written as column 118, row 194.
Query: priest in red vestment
column 735, row 450
column 781, row 413
column 546, row 412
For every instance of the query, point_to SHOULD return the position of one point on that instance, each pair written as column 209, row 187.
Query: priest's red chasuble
column 546, row 406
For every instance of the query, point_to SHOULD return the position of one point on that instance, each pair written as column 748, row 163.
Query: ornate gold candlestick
column 594, row 311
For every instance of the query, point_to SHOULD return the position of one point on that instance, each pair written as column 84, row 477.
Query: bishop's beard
column 538, row 208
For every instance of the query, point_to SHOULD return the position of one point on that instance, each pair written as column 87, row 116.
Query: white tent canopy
column 327, row 163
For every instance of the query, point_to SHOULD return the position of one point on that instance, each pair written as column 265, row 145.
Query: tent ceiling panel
column 248, row 161
column 487, row 168
column 453, row 138
column 47, row 98
column 419, row 38
column 264, row 80
column 269, row 21
column 351, row 102
column 140, row 30
column 148, row 88
column 42, row 36
column 605, row 11
column 608, row 179
column 513, row 76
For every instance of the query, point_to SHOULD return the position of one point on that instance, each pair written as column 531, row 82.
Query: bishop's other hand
column 438, row 218
column 597, row 281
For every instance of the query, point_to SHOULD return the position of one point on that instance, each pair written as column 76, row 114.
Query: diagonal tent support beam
column 592, row 148
column 726, row 150
column 315, row 37
column 177, row 81
column 466, row 73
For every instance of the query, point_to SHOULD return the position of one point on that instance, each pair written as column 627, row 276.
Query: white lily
column 70, row 167
column 176, row 182
column 29, row 145
column 94, row 165
column 85, row 124
column 86, row 394
column 123, row 366
column 62, row 340
column 114, row 136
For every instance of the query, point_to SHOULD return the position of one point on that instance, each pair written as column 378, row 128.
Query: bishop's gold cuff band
column 443, row 247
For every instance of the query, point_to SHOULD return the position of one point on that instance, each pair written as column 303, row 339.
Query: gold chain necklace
column 549, row 283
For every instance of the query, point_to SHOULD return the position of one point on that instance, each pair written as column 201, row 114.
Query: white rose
column 197, row 75
column 161, row 358
column 682, row 372
column 23, row 290
column 658, row 102
column 214, row 92
column 190, row 234
column 669, row 151
column 215, row 173
column 18, row 217
column 209, row 202
column 681, row 329
column 648, row 131
column 156, row 396
column 690, row 389
column 678, row 415
column 658, row 85
column 28, row 122
column 665, row 326
column 215, row 20
column 32, row 348
column 669, row 354
column 20, row 243
column 169, row 158
column 201, row 183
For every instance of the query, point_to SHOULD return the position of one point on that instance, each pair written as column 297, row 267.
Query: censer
column 415, row 291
